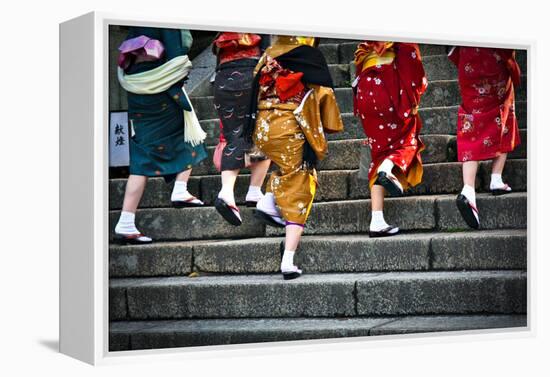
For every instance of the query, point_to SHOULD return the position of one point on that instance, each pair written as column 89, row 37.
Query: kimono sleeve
column 329, row 110
column 509, row 57
column 177, row 43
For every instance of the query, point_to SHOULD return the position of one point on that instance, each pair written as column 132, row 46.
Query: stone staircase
column 206, row 282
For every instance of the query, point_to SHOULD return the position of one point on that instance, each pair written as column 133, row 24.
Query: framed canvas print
column 252, row 187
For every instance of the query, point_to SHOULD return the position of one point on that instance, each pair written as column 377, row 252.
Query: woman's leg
column 469, row 172
column 496, row 175
column 498, row 163
column 184, row 176
column 377, row 198
column 258, row 172
column 229, row 177
column 466, row 201
column 135, row 186
column 377, row 221
column 180, row 195
column 225, row 203
column 292, row 239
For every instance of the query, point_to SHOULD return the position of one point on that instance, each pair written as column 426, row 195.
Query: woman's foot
column 379, row 227
column 390, row 230
column 267, row 212
column 466, row 204
column 253, row 196
column 132, row 239
column 225, row 205
column 126, row 231
column 388, row 180
column 288, row 269
column 498, row 187
column 182, row 198
column 229, row 212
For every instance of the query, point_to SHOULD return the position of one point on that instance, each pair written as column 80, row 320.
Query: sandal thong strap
column 233, row 207
column 190, row 199
column 132, row 236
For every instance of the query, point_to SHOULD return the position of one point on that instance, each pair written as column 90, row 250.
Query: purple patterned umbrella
column 146, row 48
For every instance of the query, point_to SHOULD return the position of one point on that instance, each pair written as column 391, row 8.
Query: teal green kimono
column 158, row 147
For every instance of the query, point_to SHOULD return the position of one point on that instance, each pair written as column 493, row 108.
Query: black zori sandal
column 267, row 219
column 289, row 275
column 389, row 182
column 228, row 212
column 191, row 202
column 250, row 203
column 131, row 239
column 386, row 232
column 468, row 211
column 501, row 191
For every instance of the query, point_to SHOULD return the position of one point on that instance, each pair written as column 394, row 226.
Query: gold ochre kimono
column 282, row 128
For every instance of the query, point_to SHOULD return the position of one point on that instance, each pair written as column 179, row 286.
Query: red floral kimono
column 390, row 81
column 487, row 124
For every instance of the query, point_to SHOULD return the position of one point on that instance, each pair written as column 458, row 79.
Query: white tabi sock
column 127, row 227
column 180, row 191
column 267, row 205
column 377, row 222
column 386, row 166
column 126, row 224
column 496, row 182
column 226, row 194
column 287, row 263
column 254, row 194
column 470, row 193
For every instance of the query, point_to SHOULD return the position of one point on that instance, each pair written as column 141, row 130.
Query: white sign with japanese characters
column 119, row 139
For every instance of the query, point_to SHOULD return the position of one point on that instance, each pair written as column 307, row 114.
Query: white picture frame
column 84, row 249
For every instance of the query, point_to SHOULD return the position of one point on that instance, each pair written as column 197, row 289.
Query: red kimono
column 390, row 81
column 487, row 124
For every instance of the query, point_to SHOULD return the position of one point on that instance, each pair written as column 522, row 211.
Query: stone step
column 337, row 217
column 319, row 295
column 475, row 250
column 440, row 93
column 440, row 178
column 136, row 335
column 414, row 213
column 439, row 67
column 345, row 154
column 435, row 120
